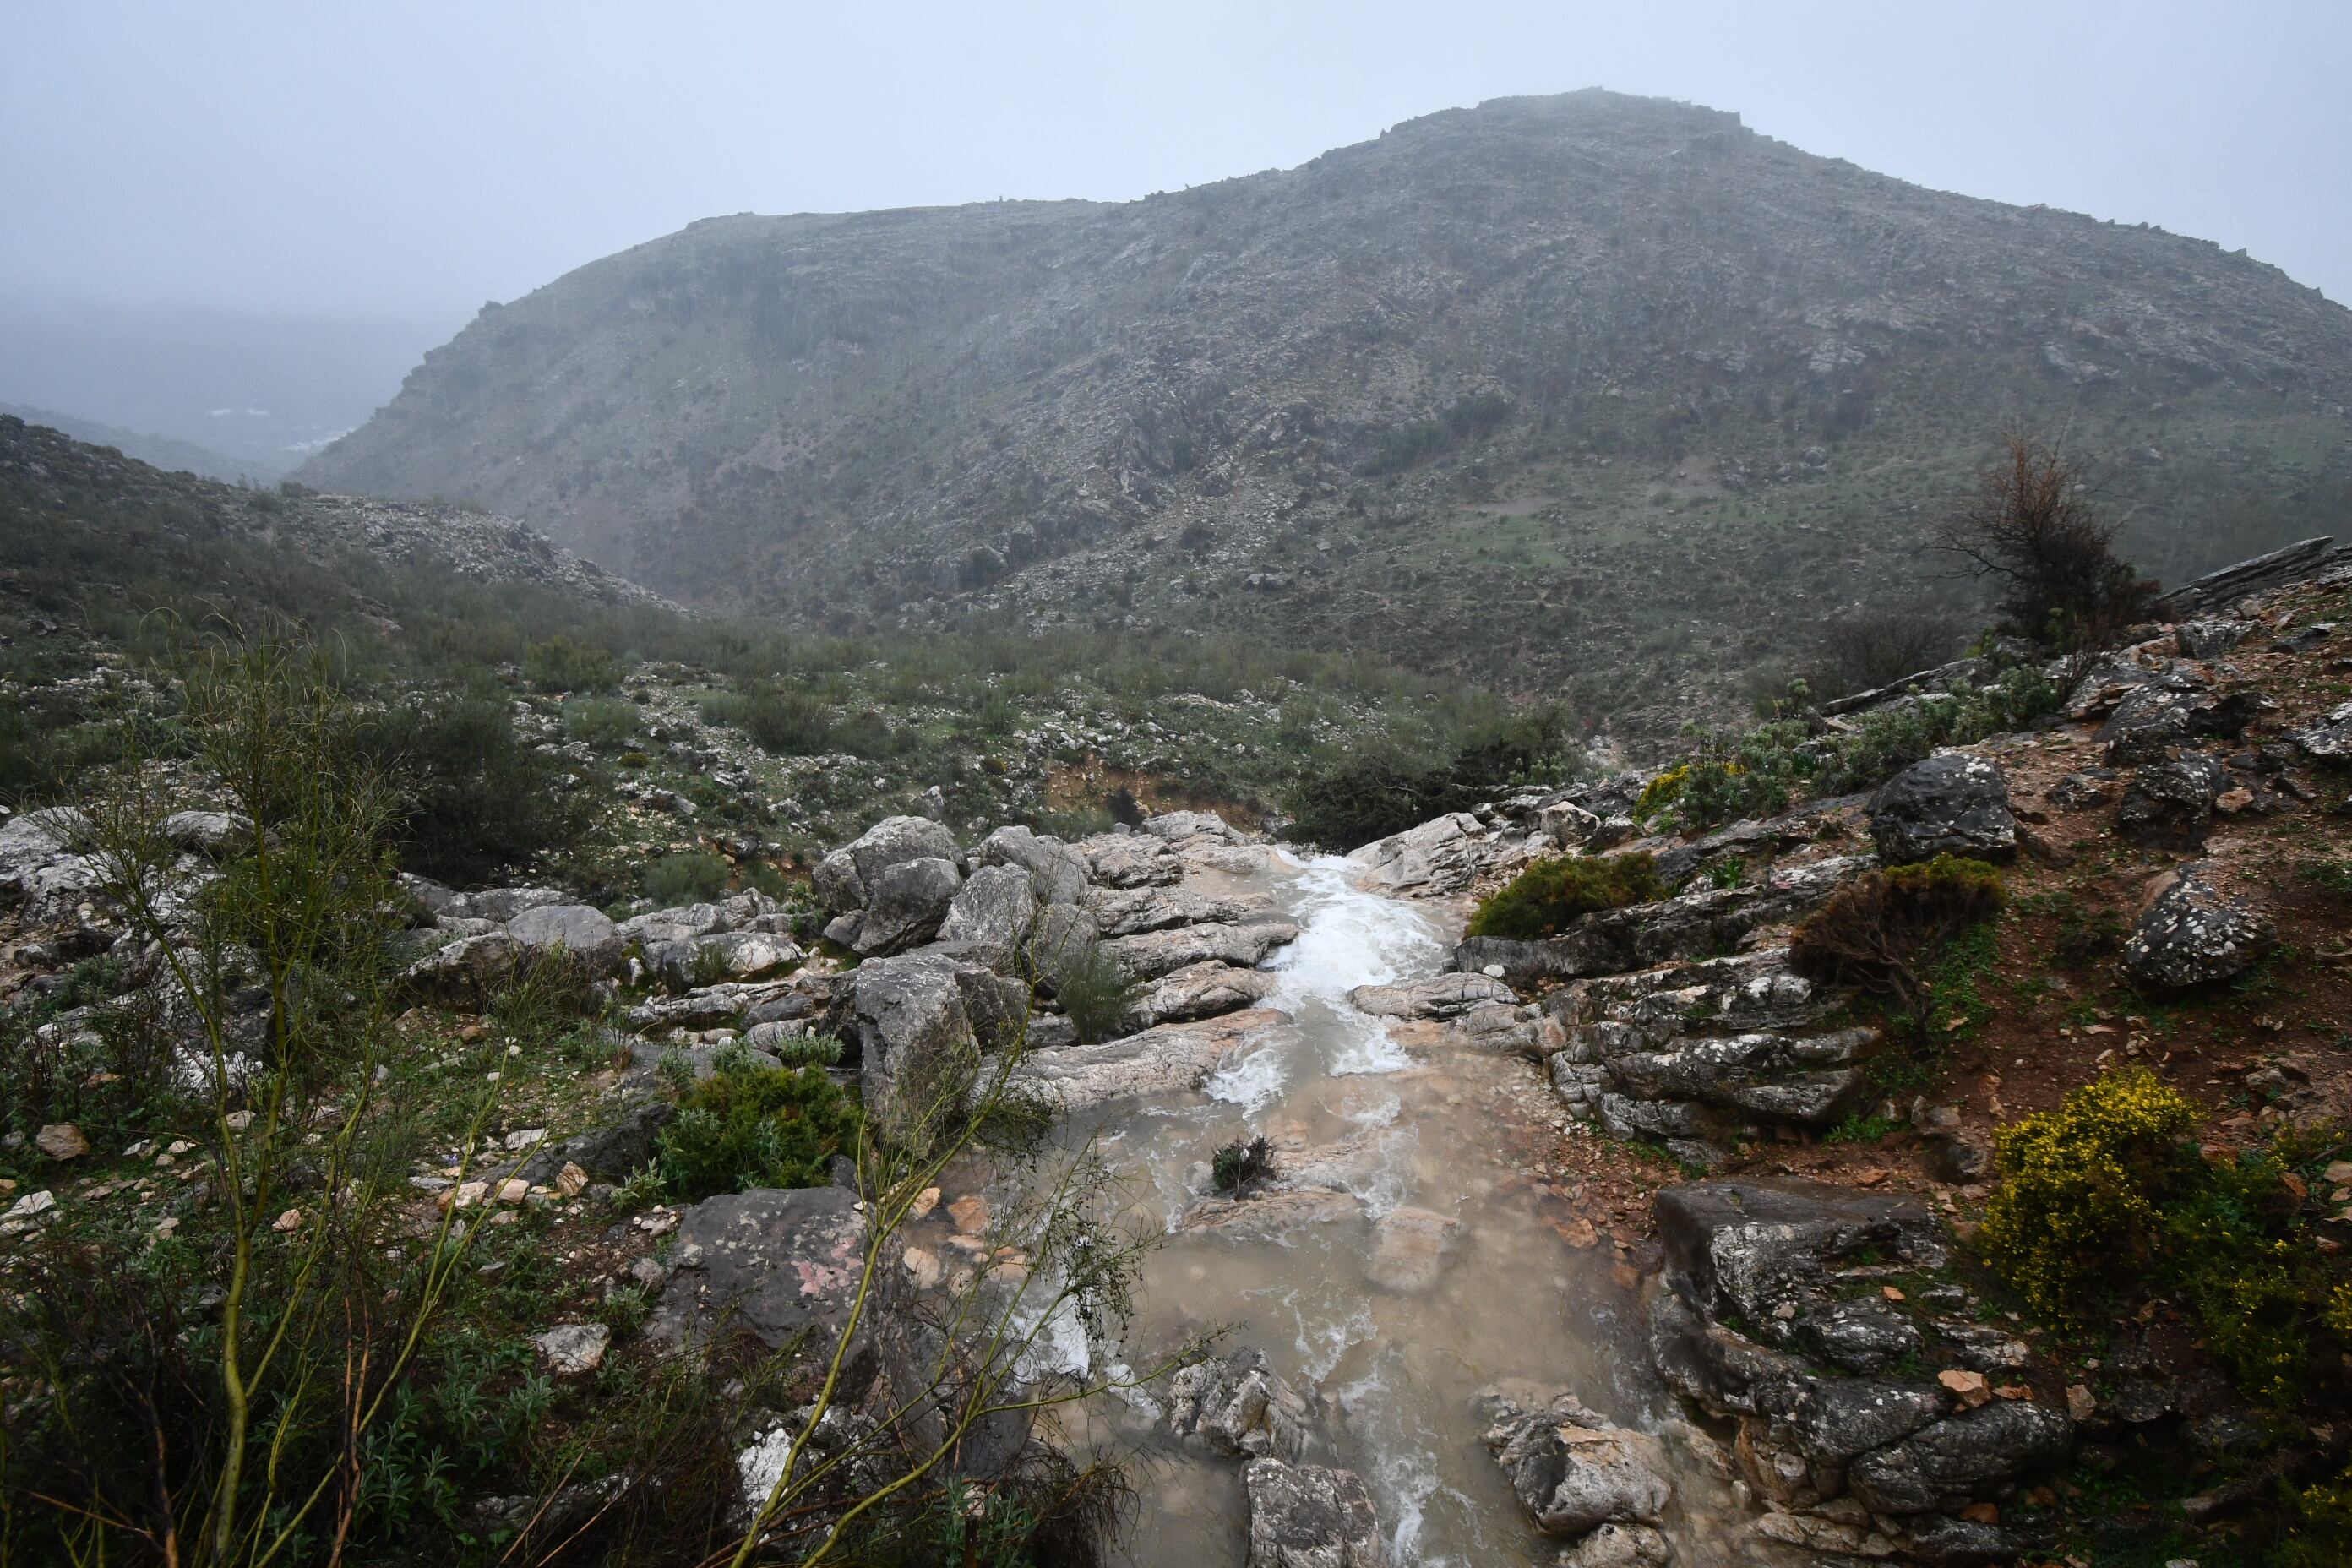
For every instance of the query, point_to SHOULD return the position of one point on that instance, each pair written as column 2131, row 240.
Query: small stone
column 925, row 1202
column 1493, row 972
column 1971, row 1387
column 1981, row 1513
column 292, row 1220
column 969, row 1214
column 2012, row 1391
column 570, row 1181
column 924, row 1268
column 32, row 1205
column 2081, row 1404
column 1890, row 1292
column 61, row 1140
column 465, row 1196
column 1580, row 1234
column 574, row 1349
column 524, row 1138
column 513, row 1190
column 2338, row 1172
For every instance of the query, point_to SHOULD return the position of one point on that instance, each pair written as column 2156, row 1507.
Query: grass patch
column 1541, row 901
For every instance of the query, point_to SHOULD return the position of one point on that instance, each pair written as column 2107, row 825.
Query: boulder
column 1745, row 1248
column 1952, row 803
column 1698, row 1053
column 1863, row 1336
column 40, row 868
column 1310, row 1516
column 1129, row 860
column 844, row 880
column 1946, row 1466
column 2210, row 639
column 1568, row 824
column 214, row 833
column 1235, row 1404
column 1615, row 941
column 1434, row 997
column 1196, row 991
column 1572, row 1469
column 1164, row 1061
column 769, row 1263
column 465, row 972
column 2171, row 802
column 1155, row 953
column 684, row 923
column 905, row 904
column 993, row 912
column 918, row 1047
column 720, row 957
column 1186, row 829
column 1438, row 859
column 582, row 935
column 1060, row 871
column 2155, row 716
column 2327, row 741
column 573, row 1350
column 2192, row 934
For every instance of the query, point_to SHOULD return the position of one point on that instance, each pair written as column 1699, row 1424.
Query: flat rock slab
column 1168, row 1059
column 1198, row 991
column 768, row 1263
column 1155, row 953
column 1433, row 996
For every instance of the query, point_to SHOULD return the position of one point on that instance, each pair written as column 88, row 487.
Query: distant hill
column 1599, row 398
column 161, row 451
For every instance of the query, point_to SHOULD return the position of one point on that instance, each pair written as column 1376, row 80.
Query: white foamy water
column 1392, row 1363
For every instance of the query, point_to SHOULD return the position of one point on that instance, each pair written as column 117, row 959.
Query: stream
column 1421, row 1147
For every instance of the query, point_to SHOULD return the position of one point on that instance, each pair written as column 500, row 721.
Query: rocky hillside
column 1587, row 393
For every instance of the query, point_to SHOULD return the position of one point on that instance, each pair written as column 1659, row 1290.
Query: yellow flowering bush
column 2081, row 1184
column 1662, row 792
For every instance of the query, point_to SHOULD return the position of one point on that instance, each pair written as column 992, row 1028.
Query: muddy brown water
column 1392, row 1357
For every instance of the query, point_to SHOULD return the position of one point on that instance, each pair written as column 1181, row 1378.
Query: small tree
column 2033, row 526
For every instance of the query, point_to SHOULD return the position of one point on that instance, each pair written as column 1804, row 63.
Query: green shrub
column 602, row 721
column 1384, row 789
column 1238, row 1165
column 561, row 664
column 476, row 800
column 1542, row 900
column 1091, row 989
column 1885, row 929
column 787, row 723
column 2082, row 1189
column 687, row 877
column 753, row 1124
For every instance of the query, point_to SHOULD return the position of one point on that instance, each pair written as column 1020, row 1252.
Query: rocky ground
column 1792, row 1189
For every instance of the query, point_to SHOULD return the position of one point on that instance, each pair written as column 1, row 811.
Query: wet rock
column 1269, row 1216
column 1131, row 860
column 906, row 903
column 1235, row 1404
column 1618, row 941
column 1952, row 803
column 584, row 936
column 1412, row 1249
column 2193, row 934
column 1059, row 870
column 1439, row 857
column 1697, row 1052
column 1198, row 991
column 1572, row 1469
column 993, row 912
column 2152, row 718
column 769, row 1263
column 2171, row 803
column 2210, row 639
column 1168, row 1060
column 1616, row 1545
column 1946, row 1466
column 844, row 880
column 2328, row 741
column 1130, row 912
column 918, row 1047
column 1310, row 1516
column 1155, row 953
column 1863, row 1336
column 1446, row 995
column 1750, row 1247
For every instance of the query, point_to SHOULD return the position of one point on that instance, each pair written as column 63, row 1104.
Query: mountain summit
column 1606, row 396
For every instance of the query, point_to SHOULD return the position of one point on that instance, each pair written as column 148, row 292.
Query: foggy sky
column 420, row 158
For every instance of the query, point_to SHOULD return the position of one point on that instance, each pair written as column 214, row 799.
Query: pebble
column 61, row 1140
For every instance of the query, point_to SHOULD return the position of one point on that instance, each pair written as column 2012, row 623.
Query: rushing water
column 1393, row 1366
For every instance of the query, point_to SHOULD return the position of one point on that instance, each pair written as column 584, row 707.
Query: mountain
column 163, row 451
column 1602, row 397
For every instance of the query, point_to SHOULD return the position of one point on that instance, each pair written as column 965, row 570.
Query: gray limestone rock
column 1952, row 803
column 993, row 912
column 1197, row 991
column 906, row 903
column 1448, row 995
column 1168, row 1059
column 773, row 1264
column 1235, row 1404
column 1572, row 1469
column 1060, row 871
column 2193, row 934
column 584, row 936
column 1155, row 953
column 2171, row 802
column 844, row 880
column 1952, row 1463
column 2329, row 740
column 1310, row 1516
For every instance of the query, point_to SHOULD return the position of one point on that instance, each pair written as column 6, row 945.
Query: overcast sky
column 420, row 158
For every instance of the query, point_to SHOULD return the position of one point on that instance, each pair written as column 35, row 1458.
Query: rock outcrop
column 2193, row 933
column 1310, row 1516
column 1951, row 804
